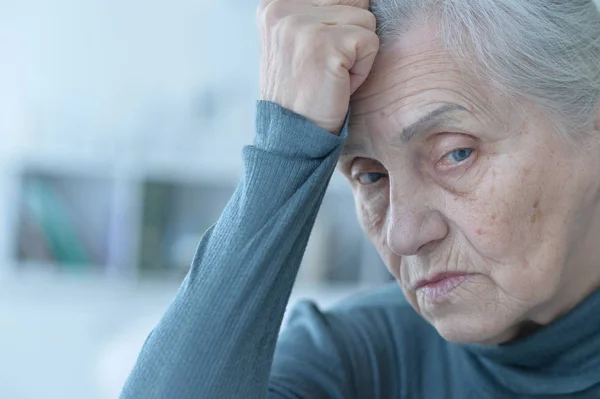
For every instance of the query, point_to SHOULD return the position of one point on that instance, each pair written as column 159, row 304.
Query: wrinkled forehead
column 416, row 74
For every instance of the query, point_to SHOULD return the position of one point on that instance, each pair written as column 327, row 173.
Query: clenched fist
column 315, row 54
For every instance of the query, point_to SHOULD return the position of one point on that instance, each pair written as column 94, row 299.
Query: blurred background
column 122, row 125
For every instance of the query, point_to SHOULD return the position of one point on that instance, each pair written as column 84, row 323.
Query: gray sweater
column 219, row 337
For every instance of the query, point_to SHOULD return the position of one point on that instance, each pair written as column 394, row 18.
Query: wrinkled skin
column 314, row 55
column 482, row 189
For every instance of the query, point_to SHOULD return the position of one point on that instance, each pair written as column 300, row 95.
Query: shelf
column 145, row 218
column 149, row 224
column 63, row 220
column 175, row 216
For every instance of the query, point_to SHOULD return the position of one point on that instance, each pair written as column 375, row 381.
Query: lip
column 438, row 278
column 438, row 288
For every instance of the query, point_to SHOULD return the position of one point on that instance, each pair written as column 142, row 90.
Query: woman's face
column 484, row 216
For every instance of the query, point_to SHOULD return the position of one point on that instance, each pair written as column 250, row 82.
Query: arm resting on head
column 217, row 338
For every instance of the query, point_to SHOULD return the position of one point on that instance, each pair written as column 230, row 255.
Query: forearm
column 218, row 337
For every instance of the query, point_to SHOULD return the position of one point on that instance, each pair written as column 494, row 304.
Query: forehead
column 415, row 75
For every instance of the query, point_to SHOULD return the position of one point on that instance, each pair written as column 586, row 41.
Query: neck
column 561, row 359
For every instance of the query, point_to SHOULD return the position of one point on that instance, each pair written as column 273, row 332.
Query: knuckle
column 269, row 12
column 370, row 20
column 366, row 37
column 300, row 26
column 371, row 43
column 340, row 61
column 372, row 38
column 315, row 29
column 292, row 21
column 261, row 7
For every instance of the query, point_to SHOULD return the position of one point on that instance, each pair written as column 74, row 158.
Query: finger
column 353, row 3
column 361, row 47
column 345, row 15
column 361, row 69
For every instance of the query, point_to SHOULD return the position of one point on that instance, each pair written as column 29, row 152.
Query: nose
column 414, row 228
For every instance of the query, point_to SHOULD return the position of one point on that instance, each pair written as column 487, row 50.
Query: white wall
column 113, row 77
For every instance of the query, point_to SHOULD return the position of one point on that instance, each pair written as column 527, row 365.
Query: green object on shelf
column 56, row 223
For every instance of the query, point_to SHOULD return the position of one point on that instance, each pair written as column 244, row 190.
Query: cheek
column 372, row 211
column 514, row 226
column 501, row 219
column 493, row 230
column 495, row 218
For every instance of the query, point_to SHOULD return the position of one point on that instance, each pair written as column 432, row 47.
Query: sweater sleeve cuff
column 281, row 131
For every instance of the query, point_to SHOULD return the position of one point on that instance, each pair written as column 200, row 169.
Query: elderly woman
column 472, row 148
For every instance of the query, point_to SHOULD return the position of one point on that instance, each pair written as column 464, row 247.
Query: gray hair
column 543, row 51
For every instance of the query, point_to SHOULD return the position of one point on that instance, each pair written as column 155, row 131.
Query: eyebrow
column 423, row 125
column 428, row 121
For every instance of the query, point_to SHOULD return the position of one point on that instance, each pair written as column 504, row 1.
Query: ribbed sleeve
column 217, row 338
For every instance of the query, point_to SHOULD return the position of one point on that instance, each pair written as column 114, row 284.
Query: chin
column 466, row 329
column 469, row 314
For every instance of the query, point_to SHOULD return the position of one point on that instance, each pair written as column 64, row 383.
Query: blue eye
column 370, row 178
column 460, row 155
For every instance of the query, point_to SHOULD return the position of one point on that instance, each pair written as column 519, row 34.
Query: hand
column 315, row 54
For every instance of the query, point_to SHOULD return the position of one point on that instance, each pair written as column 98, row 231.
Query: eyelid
column 372, row 166
column 358, row 178
column 449, row 142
